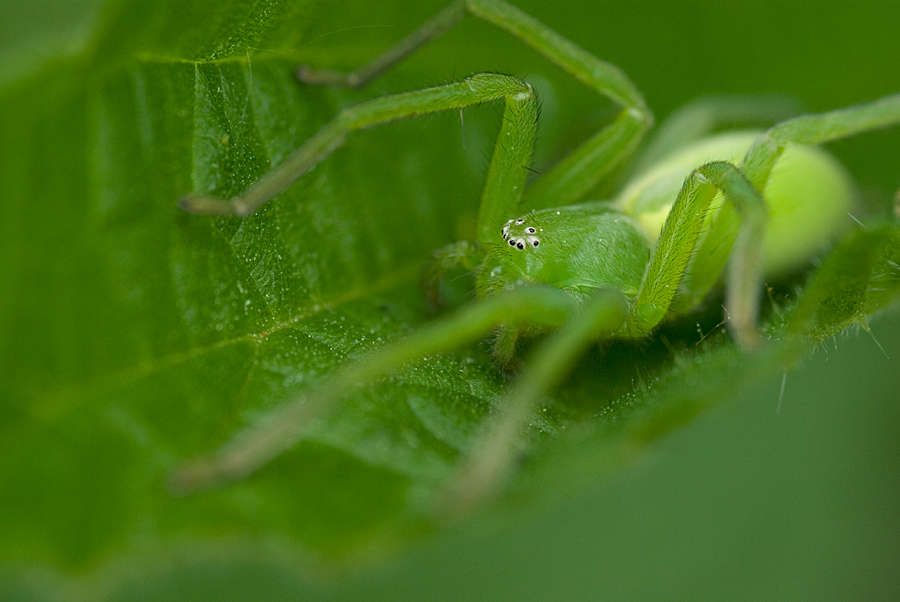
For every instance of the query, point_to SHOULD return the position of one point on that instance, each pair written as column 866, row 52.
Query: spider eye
column 530, row 230
column 512, row 243
column 520, row 246
column 535, row 243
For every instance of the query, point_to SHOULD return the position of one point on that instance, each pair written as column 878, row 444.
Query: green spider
column 584, row 271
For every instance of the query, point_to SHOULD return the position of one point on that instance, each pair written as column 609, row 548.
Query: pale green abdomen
column 808, row 194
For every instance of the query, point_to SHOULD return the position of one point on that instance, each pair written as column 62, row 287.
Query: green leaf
column 134, row 336
column 857, row 279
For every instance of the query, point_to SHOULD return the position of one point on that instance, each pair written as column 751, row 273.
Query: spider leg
column 677, row 241
column 430, row 30
column 282, row 428
column 514, row 146
column 708, row 115
column 483, row 471
column 578, row 173
column 816, row 129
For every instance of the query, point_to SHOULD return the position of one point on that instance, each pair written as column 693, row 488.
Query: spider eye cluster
column 519, row 237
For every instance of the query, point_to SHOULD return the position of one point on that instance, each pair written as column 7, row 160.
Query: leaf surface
column 135, row 336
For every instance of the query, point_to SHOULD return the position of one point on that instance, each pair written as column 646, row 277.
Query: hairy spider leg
column 284, row 426
column 671, row 256
column 585, row 167
column 484, row 468
column 817, row 129
column 474, row 90
column 708, row 115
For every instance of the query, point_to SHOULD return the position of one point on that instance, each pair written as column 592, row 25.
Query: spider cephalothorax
column 577, row 248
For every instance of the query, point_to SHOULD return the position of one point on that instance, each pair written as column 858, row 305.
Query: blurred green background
column 128, row 341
